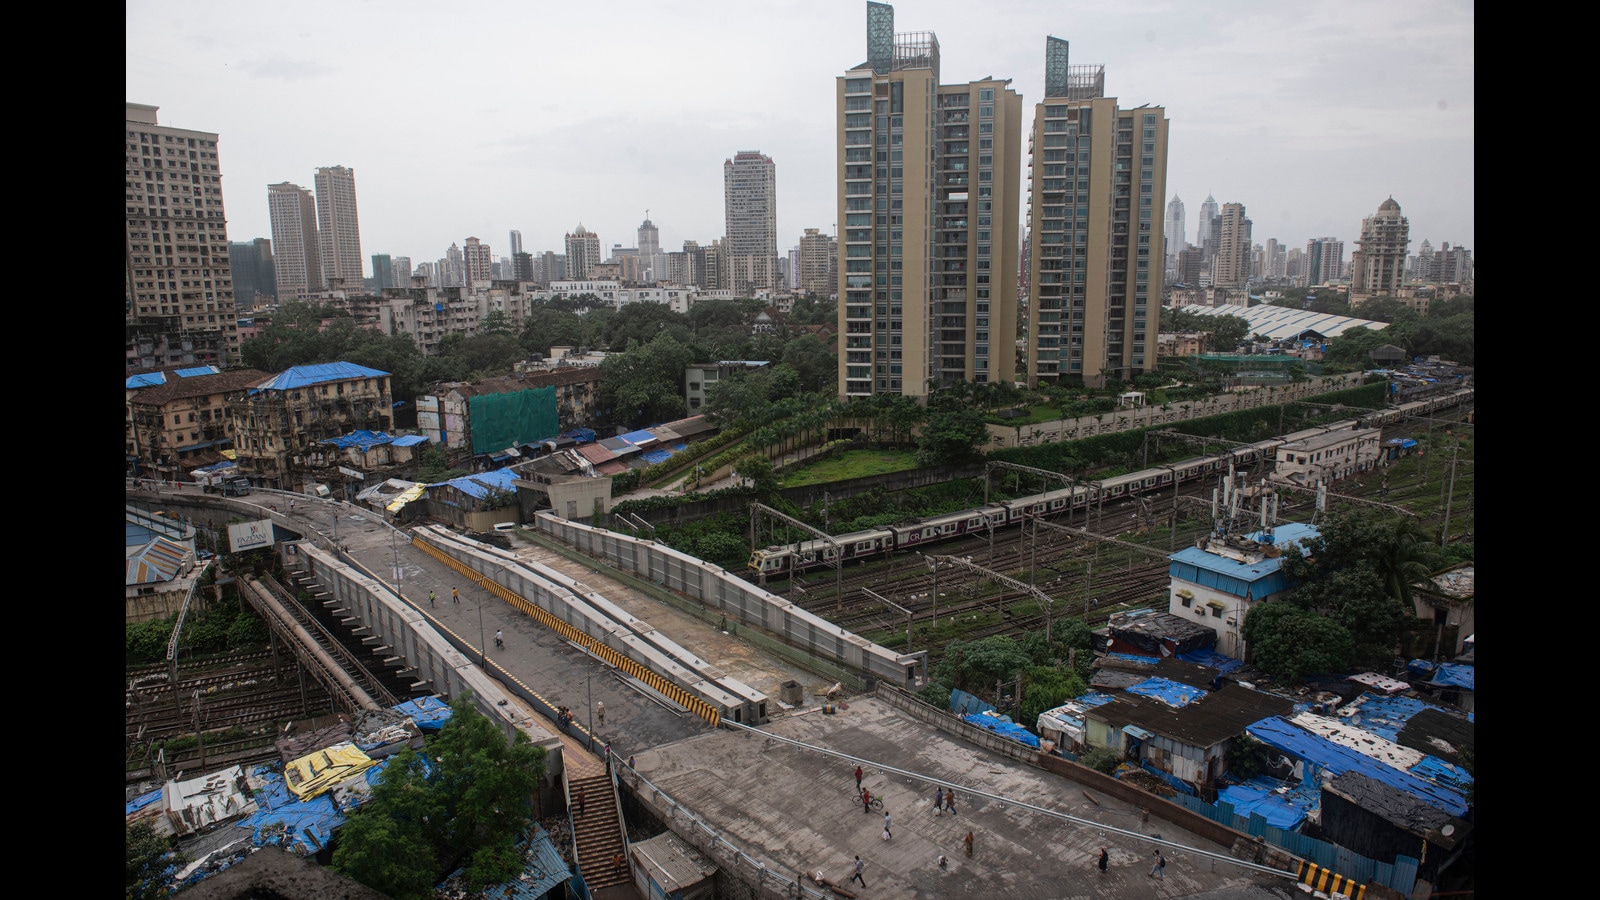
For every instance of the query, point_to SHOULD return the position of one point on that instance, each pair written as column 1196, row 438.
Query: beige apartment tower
column 339, row 228
column 1232, row 268
column 296, row 260
column 929, row 176
column 1378, row 266
column 1099, row 173
column 178, row 281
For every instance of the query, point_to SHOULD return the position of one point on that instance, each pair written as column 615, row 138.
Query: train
column 778, row 561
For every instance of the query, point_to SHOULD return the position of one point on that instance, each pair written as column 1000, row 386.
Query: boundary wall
column 738, row 599
column 427, row 648
column 589, row 620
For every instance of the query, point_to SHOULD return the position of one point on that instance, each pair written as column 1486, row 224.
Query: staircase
column 597, row 833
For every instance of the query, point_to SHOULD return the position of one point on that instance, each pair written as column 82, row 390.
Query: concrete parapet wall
column 738, row 599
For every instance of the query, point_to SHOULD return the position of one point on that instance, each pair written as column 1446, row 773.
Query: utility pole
column 1444, row 533
column 887, row 602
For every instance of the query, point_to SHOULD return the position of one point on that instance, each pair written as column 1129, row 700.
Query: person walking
column 858, row 778
column 967, row 841
column 938, row 801
column 886, row 823
column 866, row 801
column 944, row 864
column 430, row 599
column 580, row 801
column 950, row 801
column 455, row 595
column 1101, row 862
column 857, row 876
column 1157, row 870
column 498, row 638
column 600, row 711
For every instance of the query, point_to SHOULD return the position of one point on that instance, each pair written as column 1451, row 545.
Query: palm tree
column 1405, row 560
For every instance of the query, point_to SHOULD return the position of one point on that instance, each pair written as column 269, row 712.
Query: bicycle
column 876, row 802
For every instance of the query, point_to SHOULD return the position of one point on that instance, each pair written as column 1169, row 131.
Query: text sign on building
column 244, row 536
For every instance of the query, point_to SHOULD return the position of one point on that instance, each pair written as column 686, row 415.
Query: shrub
column 1100, row 759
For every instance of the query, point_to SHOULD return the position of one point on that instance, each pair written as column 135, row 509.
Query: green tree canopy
column 391, row 842
column 952, row 431
column 1289, row 642
column 147, row 859
column 644, row 384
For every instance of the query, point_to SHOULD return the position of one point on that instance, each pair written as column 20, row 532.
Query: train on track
column 799, row 557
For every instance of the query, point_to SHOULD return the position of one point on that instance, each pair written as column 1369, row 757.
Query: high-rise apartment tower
column 929, row 176
column 1378, row 267
column 1099, row 172
column 339, row 228
column 750, row 200
column 296, row 257
column 583, row 254
column 478, row 260
column 1231, row 265
column 1174, row 236
column 1202, row 237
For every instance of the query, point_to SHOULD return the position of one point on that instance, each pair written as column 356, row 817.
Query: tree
column 952, row 432
column 486, row 787
column 1288, row 642
column 644, row 384
column 149, row 856
column 391, row 842
column 759, row 470
column 1227, row 332
column 977, row 665
column 817, row 366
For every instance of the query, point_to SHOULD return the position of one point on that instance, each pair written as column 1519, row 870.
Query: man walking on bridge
column 455, row 595
column 430, row 599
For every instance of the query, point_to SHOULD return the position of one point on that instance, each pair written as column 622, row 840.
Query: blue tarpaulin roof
column 481, row 484
column 430, row 713
column 303, row 376
column 962, row 703
column 1401, row 442
column 1169, row 692
column 545, row 870
column 656, row 456
column 410, row 440
column 581, row 435
column 1208, row 657
column 1383, row 716
column 1453, row 675
column 148, row 379
column 196, row 371
column 1002, row 727
column 1247, row 799
column 143, row 800
column 638, row 437
column 216, row 466
column 362, row 439
column 1323, row 754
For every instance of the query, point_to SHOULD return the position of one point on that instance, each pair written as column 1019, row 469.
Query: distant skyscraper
column 549, row 266
column 1292, row 263
column 928, row 188
column 817, row 263
column 522, row 266
column 382, row 272
column 1323, row 260
column 583, row 254
column 1096, row 268
column 516, row 243
column 750, row 201
column 339, row 228
column 425, row 271
column 1378, row 265
column 1422, row 271
column 1202, row 237
column 1231, row 267
column 478, row 260
column 296, row 258
column 401, row 267
column 1175, row 236
column 650, row 249
column 253, row 281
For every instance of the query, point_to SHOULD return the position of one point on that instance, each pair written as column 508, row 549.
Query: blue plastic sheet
column 1208, row 657
column 1171, row 693
column 430, row 713
column 1247, row 800
column 143, row 800
column 1323, row 755
column 1452, row 675
column 1004, row 728
column 962, row 703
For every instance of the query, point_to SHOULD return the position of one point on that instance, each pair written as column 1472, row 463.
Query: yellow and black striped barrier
column 1324, row 880
column 677, row 694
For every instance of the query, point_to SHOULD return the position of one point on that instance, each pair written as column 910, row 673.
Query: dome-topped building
column 1378, row 266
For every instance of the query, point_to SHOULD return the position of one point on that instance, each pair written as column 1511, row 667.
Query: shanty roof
column 694, row 425
column 303, row 376
column 1216, row 717
column 151, row 379
column 199, row 383
column 160, row 560
column 1398, row 807
column 1286, row 737
column 481, row 484
column 1281, row 322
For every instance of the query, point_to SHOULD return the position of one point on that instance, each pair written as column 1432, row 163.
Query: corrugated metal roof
column 596, row 453
column 638, row 438
column 302, row 376
column 1281, row 322
column 481, row 484
column 159, row 560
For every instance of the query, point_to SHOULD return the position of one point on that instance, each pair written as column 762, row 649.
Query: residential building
column 583, row 253
column 453, row 268
column 927, row 188
column 1186, row 731
column 1446, row 603
column 1323, row 261
column 556, row 400
column 253, row 281
column 750, row 204
column 1273, row 270
column 339, row 228
column 1098, row 170
column 516, row 243
column 478, row 261
column 400, row 266
column 178, row 280
column 1377, row 268
column 1231, row 267
column 382, row 272
column 651, row 258
column 296, row 259
column 177, row 418
column 817, row 262
column 549, row 266
column 1208, row 213
column 278, row 422
column 1217, row 584
column 1292, row 264
column 1174, row 239
column 1421, row 265
column 1191, row 260
column 699, row 378
column 429, row 314
column 1192, row 343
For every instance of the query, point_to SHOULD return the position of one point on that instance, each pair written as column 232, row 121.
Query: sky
column 537, row 116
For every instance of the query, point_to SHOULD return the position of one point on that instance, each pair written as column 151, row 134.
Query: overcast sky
column 471, row 120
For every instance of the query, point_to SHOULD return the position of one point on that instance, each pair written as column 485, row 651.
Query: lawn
column 853, row 464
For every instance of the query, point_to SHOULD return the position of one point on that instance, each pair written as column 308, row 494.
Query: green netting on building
column 500, row 420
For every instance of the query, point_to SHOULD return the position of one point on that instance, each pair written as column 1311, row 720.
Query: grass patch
column 854, row 464
column 1036, row 414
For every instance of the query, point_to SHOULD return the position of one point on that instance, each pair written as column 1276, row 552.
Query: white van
column 505, row 526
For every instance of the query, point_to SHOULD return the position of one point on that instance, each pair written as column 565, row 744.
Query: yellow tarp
column 406, row 496
column 314, row 773
column 230, row 454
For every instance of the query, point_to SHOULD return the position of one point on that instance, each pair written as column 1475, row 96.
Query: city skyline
column 1373, row 104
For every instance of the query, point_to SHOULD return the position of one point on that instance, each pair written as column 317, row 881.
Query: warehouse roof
column 1280, row 322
